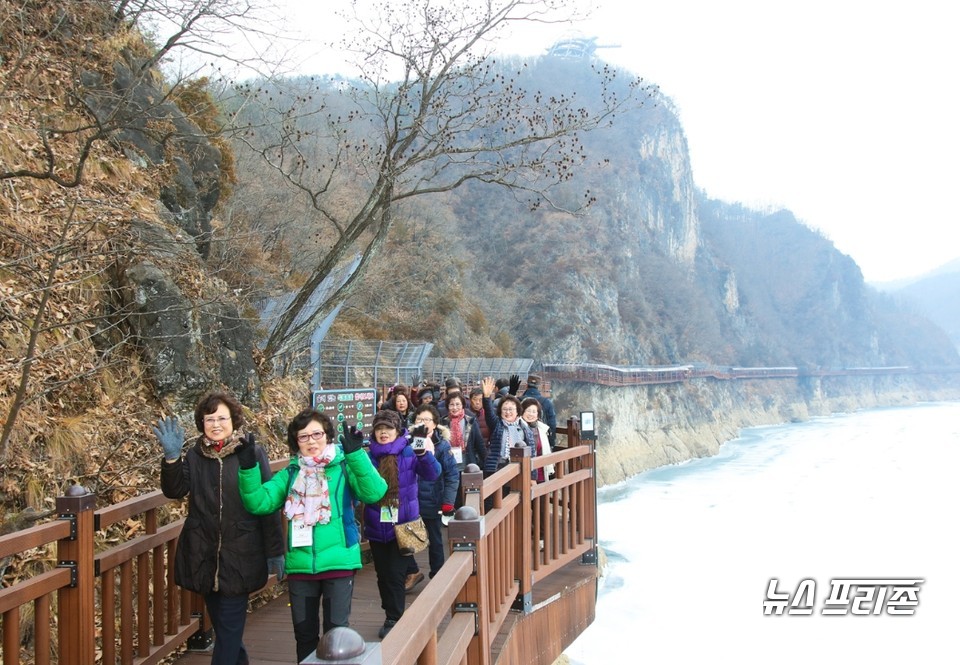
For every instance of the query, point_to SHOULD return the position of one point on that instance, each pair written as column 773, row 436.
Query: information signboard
column 347, row 406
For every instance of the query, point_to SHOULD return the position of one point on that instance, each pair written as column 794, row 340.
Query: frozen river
column 692, row 548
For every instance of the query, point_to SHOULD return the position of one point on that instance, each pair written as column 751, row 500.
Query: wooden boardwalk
column 268, row 636
column 269, row 631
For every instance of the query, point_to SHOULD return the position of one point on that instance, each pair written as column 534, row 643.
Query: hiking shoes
column 387, row 625
column 413, row 579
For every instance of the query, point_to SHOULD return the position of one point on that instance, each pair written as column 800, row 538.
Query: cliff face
column 651, row 273
column 110, row 314
column 667, row 210
column 643, row 427
column 117, row 309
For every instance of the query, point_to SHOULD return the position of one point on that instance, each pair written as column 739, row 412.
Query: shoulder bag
column 411, row 536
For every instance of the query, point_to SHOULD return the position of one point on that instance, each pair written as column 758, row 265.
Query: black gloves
column 418, row 431
column 246, row 454
column 418, row 438
column 514, row 384
column 352, row 440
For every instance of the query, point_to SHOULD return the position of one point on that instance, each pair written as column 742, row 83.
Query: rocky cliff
column 653, row 272
column 643, row 427
column 117, row 307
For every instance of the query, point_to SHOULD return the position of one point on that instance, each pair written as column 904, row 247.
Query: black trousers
column 391, row 567
column 307, row 597
column 228, row 614
column 435, row 549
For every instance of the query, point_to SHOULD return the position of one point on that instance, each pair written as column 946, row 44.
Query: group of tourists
column 407, row 467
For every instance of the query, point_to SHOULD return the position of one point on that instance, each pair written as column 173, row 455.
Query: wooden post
column 75, row 626
column 524, row 553
column 466, row 534
column 589, row 503
column 471, row 481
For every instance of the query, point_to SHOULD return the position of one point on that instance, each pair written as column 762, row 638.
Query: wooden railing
column 496, row 556
column 139, row 621
column 628, row 375
column 117, row 603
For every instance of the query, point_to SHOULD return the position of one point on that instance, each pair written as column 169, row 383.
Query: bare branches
column 430, row 111
column 36, row 325
column 203, row 27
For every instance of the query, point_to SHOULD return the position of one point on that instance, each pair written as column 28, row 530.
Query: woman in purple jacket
column 401, row 467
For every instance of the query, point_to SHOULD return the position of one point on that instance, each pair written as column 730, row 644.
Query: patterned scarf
column 219, row 449
column 309, row 498
column 512, row 436
column 456, row 430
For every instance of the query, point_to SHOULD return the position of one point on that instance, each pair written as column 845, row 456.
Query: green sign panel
column 348, row 406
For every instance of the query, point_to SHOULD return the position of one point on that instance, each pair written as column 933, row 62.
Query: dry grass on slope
column 75, row 403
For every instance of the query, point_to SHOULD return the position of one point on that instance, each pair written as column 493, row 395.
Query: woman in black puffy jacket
column 224, row 552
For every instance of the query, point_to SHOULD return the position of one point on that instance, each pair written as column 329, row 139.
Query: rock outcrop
column 194, row 341
column 644, row 427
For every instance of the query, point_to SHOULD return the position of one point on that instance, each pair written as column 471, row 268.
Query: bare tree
column 76, row 81
column 430, row 111
column 198, row 27
column 50, row 336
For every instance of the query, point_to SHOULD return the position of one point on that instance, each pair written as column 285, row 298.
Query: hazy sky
column 843, row 111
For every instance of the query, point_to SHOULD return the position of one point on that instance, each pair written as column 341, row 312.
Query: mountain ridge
column 129, row 293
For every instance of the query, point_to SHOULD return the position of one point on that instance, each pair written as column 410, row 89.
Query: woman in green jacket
column 317, row 494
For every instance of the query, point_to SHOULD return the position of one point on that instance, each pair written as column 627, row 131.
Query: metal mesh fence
column 376, row 363
column 471, row 370
column 370, row 362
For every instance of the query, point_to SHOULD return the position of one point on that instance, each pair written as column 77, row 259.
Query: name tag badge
column 458, row 455
column 301, row 535
column 388, row 514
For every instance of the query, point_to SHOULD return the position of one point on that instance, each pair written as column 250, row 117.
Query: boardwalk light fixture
column 588, row 431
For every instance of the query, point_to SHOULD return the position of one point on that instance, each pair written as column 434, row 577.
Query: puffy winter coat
column 222, row 547
column 496, row 440
column 541, row 434
column 434, row 493
column 410, row 468
column 336, row 544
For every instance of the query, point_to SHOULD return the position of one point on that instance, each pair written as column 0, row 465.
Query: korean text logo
column 848, row 596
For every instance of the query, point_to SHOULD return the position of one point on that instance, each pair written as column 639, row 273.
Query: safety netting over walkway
column 471, row 370
column 376, row 363
column 370, row 363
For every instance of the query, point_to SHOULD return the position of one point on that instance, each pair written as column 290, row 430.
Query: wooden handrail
column 496, row 559
column 131, row 549
column 35, row 536
column 132, row 507
column 36, row 587
column 418, row 627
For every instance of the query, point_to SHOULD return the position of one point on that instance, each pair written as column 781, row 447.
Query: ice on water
column 691, row 547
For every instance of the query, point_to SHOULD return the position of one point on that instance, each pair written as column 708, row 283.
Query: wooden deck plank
column 269, row 631
column 268, row 635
